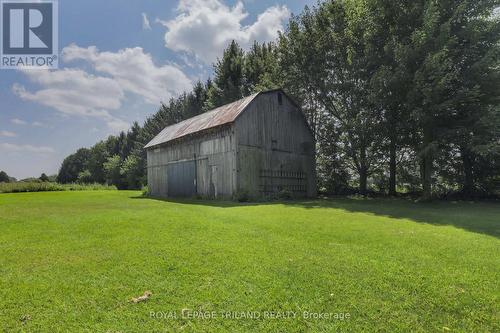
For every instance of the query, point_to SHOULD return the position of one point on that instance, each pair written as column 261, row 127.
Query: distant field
column 71, row 261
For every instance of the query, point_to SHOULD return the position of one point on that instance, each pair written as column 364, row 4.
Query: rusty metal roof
column 220, row 116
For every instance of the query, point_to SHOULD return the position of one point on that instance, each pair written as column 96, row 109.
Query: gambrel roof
column 222, row 115
column 217, row 117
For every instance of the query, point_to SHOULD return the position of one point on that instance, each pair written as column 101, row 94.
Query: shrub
column 242, row 196
column 49, row 187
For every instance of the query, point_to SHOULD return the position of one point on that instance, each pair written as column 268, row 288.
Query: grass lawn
column 71, row 261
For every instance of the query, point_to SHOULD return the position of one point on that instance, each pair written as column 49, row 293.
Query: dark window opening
column 280, row 99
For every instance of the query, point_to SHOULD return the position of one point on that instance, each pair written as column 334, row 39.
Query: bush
column 242, row 196
column 35, row 186
column 49, row 187
column 88, row 187
column 145, row 191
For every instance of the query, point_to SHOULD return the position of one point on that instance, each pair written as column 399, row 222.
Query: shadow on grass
column 478, row 217
column 210, row 202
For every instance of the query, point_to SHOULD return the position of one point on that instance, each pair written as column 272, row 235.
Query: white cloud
column 8, row 134
column 9, row 147
column 73, row 91
column 117, row 125
column 204, row 28
column 18, row 121
column 22, row 122
column 145, row 22
column 134, row 71
column 38, row 124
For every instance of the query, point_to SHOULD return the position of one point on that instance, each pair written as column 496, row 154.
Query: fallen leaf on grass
column 147, row 294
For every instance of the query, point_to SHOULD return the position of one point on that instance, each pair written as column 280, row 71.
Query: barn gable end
column 275, row 148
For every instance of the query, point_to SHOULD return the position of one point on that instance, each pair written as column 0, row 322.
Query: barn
column 260, row 145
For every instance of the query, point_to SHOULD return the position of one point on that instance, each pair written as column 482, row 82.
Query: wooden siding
column 214, row 153
column 275, row 148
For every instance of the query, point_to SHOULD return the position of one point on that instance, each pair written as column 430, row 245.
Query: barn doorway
column 213, row 182
column 181, row 179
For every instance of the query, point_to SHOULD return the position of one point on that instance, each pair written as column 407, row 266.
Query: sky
column 117, row 61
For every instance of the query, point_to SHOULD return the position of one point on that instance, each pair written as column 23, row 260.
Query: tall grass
column 50, row 187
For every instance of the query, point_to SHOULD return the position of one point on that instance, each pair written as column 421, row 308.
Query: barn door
column 181, row 179
column 213, row 182
column 203, row 177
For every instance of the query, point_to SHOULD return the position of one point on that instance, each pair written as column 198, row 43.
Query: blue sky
column 118, row 60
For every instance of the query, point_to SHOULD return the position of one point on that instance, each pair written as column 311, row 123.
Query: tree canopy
column 402, row 97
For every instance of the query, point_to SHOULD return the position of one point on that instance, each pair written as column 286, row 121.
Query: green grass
column 70, row 261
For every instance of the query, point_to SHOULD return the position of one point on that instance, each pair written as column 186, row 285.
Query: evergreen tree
column 228, row 84
column 261, row 68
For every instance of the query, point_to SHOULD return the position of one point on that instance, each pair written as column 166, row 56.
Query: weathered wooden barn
column 259, row 145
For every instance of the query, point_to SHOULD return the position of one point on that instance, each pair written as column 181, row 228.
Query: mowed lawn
column 71, row 261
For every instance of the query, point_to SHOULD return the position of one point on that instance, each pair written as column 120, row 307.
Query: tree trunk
column 468, row 186
column 363, row 182
column 363, row 172
column 427, row 159
column 392, row 166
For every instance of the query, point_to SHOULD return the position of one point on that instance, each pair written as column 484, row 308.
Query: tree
column 329, row 63
column 73, row 165
column 85, row 177
column 112, row 169
column 195, row 101
column 44, row 178
column 261, row 68
column 229, row 78
column 133, row 172
column 301, row 53
column 99, row 154
column 301, row 70
column 376, row 78
column 476, row 119
column 442, row 56
column 391, row 26
column 4, row 178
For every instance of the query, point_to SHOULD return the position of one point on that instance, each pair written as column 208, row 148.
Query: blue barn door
column 181, row 179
